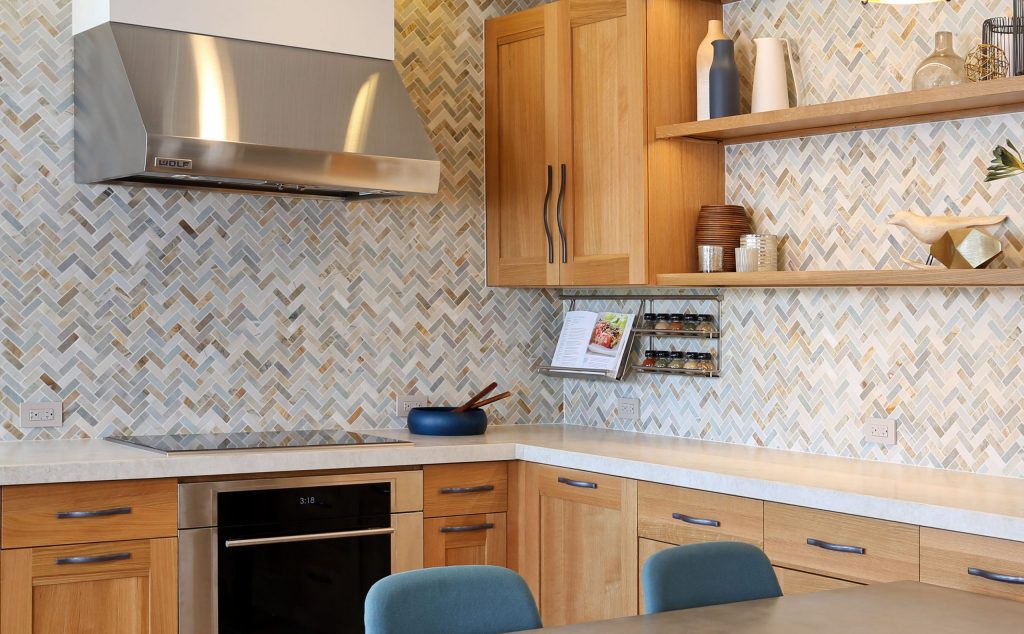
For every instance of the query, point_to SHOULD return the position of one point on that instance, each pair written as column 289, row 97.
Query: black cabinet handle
column 547, row 225
column 579, row 484
column 839, row 548
column 96, row 559
column 695, row 520
column 558, row 216
column 995, row 576
column 479, row 489
column 77, row 515
column 467, row 529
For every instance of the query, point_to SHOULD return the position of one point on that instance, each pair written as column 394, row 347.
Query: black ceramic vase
column 724, row 81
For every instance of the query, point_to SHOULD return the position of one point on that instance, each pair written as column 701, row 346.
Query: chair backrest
column 453, row 600
column 707, row 574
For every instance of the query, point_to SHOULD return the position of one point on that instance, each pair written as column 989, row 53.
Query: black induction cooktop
column 298, row 438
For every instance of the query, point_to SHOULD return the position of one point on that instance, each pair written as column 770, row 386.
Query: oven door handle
column 311, row 537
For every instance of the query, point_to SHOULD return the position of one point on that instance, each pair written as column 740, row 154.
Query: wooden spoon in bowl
column 471, row 403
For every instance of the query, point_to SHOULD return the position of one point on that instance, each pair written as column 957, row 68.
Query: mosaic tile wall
column 152, row 311
column 802, row 369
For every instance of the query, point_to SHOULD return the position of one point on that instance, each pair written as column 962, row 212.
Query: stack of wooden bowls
column 722, row 226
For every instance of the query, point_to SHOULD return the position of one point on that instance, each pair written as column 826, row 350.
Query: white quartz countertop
column 983, row 505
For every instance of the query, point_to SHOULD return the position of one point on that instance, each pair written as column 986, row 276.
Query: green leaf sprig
column 1005, row 163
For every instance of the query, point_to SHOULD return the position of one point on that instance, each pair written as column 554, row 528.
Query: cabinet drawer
column 796, row 582
column 55, row 514
column 842, row 546
column 469, row 488
column 686, row 516
column 984, row 565
column 464, row 540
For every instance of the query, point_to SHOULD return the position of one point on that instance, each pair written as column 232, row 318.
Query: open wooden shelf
column 862, row 279
column 997, row 96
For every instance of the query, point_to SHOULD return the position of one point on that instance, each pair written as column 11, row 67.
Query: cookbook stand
column 639, row 330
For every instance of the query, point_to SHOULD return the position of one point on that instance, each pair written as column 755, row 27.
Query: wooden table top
column 905, row 607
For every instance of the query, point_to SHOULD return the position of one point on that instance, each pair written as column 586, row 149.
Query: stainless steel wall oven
column 289, row 555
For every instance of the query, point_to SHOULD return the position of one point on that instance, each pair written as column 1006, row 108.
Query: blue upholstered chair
column 453, row 600
column 707, row 574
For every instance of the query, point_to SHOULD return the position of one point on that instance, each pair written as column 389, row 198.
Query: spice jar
column 689, row 323
column 691, row 361
column 707, row 362
column 650, row 358
column 706, row 324
column 661, row 360
column 650, row 319
column 662, row 322
column 677, row 361
column 675, row 322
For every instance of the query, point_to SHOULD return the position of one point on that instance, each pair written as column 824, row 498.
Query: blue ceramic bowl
column 442, row 421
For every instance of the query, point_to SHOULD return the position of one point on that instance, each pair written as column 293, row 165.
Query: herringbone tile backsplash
column 150, row 310
column 803, row 369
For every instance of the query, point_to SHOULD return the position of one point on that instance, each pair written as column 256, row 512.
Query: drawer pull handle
column 78, row 515
column 95, row 559
column 467, row 529
column 579, row 484
column 696, row 520
column 839, row 548
column 995, row 576
column 479, row 489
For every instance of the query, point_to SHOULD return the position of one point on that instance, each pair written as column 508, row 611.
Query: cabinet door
column 464, row 540
column 521, row 149
column 581, row 528
column 108, row 588
column 602, row 142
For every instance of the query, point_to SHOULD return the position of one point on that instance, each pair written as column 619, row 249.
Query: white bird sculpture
column 930, row 229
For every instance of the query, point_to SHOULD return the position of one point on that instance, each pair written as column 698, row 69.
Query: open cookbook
column 597, row 341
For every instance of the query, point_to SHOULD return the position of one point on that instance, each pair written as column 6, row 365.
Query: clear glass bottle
column 689, row 323
column 650, row 359
column 662, row 360
column 663, row 322
column 650, row 320
column 692, row 363
column 706, row 324
column 677, row 361
column 943, row 67
column 707, row 362
column 675, row 323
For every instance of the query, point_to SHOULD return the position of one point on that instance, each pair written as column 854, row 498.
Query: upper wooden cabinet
column 579, row 191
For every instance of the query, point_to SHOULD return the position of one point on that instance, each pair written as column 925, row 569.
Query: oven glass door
column 307, row 571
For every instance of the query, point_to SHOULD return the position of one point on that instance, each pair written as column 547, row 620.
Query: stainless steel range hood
column 166, row 108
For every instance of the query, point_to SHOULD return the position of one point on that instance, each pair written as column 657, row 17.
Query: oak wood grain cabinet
column 841, row 546
column 984, row 565
column 465, row 540
column 579, row 191
column 89, row 557
column 110, row 587
column 580, row 542
column 465, row 505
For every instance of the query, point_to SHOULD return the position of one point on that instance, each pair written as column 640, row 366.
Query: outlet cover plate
column 880, row 431
column 628, row 409
column 403, row 404
column 42, row 414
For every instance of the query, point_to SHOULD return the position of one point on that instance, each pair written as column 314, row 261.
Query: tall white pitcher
column 771, row 79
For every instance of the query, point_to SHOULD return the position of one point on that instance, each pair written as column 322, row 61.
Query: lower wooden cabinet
column 109, row 588
column 984, row 565
column 464, row 540
column 581, row 544
column 797, row 582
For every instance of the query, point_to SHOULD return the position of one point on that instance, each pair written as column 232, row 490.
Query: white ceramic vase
column 705, row 56
column 771, row 79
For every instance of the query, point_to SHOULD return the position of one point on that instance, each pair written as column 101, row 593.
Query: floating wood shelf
column 998, row 96
column 863, row 279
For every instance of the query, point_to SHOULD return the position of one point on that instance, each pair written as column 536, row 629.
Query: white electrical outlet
column 404, row 404
column 42, row 415
column 628, row 408
column 880, row 431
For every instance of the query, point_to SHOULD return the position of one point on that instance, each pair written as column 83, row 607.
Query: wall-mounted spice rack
column 642, row 330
